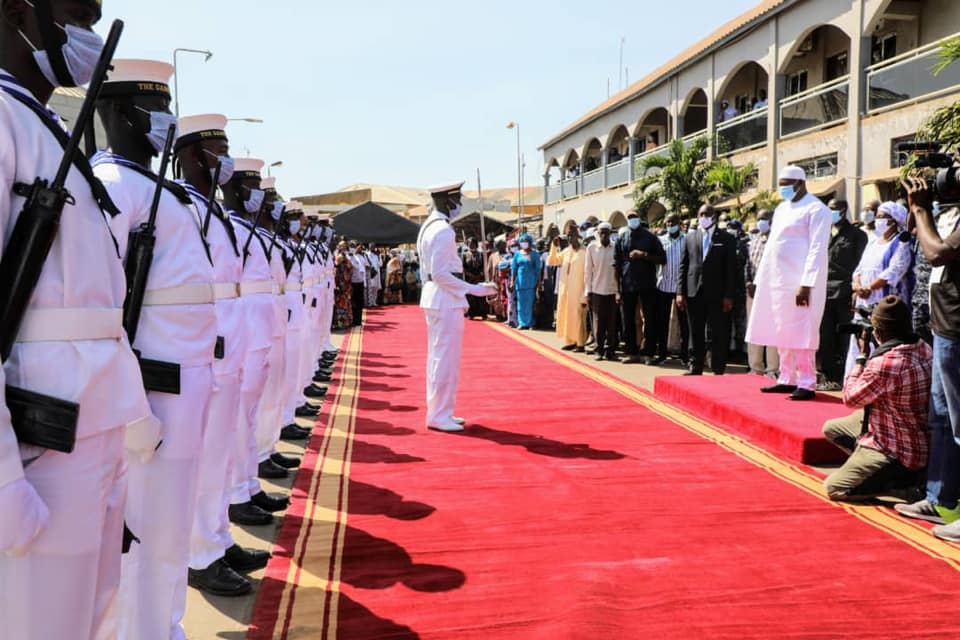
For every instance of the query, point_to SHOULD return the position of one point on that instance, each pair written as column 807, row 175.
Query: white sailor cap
column 604, row 226
column 793, row 172
column 268, row 183
column 208, row 126
column 446, row 189
column 247, row 168
column 138, row 77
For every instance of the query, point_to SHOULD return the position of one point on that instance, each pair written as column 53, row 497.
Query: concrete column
column 775, row 91
column 859, row 60
column 674, row 127
column 546, row 187
column 631, row 155
column 604, row 160
column 711, row 110
column 580, row 177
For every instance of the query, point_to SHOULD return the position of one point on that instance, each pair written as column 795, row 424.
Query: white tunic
column 278, row 273
column 83, row 270
column 796, row 256
column 258, row 307
column 294, row 293
column 437, row 246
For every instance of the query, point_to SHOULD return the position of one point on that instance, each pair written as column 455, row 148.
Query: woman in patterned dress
column 343, row 305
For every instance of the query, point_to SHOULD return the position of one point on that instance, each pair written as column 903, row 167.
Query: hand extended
column 752, row 290
column 637, row 254
column 863, row 343
column 25, row 516
column 803, row 297
column 727, row 305
column 918, row 192
column 682, row 303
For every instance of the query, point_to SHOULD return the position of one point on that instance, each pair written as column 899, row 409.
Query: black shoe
column 291, row 432
column 568, row 347
column 694, row 372
column 307, row 411
column 270, row 471
column 219, row 579
column 287, row 462
column 270, row 503
column 656, row 362
column 803, row 394
column 240, row 559
column 333, row 353
column 600, row 357
column 314, row 391
column 249, row 514
column 779, row 388
column 319, row 378
column 579, row 350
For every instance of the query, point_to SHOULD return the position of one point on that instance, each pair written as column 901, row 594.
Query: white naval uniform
column 796, row 255
column 328, row 295
column 65, row 584
column 373, row 280
column 162, row 493
column 297, row 331
column 444, row 301
column 211, row 527
column 257, row 298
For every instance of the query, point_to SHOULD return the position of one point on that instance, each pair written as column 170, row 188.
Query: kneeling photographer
column 887, row 438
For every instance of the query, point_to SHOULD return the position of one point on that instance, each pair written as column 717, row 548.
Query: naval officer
column 444, row 301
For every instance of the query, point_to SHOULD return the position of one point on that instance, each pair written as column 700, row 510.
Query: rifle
column 38, row 222
column 212, row 199
column 253, row 230
column 140, row 250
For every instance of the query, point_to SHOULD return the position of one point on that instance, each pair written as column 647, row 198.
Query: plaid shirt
column 896, row 385
column 757, row 245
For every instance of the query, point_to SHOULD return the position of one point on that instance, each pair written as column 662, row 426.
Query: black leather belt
column 456, row 275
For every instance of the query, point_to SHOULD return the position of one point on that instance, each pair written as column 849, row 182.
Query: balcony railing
column 554, row 193
column 618, row 173
column 909, row 77
column 593, row 181
column 571, row 188
column 742, row 132
column 815, row 108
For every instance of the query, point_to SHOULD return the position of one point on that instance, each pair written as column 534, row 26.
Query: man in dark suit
column 707, row 287
column 638, row 254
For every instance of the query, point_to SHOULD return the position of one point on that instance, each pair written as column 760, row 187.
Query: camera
column 928, row 155
column 861, row 324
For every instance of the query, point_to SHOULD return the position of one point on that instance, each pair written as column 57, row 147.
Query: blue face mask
column 788, row 192
column 936, row 210
column 673, row 230
column 837, row 216
column 633, row 223
column 294, row 226
column 763, row 226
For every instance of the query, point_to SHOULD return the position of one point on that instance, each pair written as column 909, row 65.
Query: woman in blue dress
column 526, row 277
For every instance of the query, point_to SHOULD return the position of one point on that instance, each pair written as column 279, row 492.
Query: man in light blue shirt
column 667, row 279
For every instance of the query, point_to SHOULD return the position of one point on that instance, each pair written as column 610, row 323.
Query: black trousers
column 700, row 312
column 357, row 299
column 477, row 307
column 604, row 312
column 648, row 301
column 662, row 319
column 834, row 345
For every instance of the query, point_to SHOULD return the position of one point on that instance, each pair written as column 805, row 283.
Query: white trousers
column 444, row 346
column 161, row 499
column 66, row 585
column 292, row 379
column 252, row 381
column 798, row 367
column 270, row 409
column 326, row 320
column 211, row 527
column 757, row 354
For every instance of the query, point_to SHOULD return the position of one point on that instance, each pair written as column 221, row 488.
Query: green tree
column 677, row 179
column 944, row 124
column 727, row 180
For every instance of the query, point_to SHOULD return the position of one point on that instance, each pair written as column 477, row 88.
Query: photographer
column 887, row 440
column 940, row 242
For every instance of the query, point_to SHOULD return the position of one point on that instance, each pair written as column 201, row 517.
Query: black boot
column 270, row 503
column 292, row 432
column 270, row 471
column 314, row 391
column 245, row 560
column 219, row 579
column 307, row 411
column 249, row 514
column 287, row 462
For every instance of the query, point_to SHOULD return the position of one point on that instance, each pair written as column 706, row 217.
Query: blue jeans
column 943, row 472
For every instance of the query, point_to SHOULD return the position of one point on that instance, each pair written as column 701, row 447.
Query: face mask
column 80, row 52
column 633, row 223
column 253, row 203
column 160, row 122
column 277, row 210
column 673, row 229
column 706, row 223
column 868, row 216
column 837, row 216
column 882, row 224
column 455, row 212
column 513, row 249
column 353, row 252
column 763, row 226
column 524, row 245
column 294, row 227
column 788, row 192
column 936, row 210
column 226, row 167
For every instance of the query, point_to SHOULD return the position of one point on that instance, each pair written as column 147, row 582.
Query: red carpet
column 790, row 429
column 573, row 507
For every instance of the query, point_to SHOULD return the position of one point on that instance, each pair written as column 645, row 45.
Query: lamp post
column 250, row 120
column 278, row 163
column 516, row 125
column 176, row 83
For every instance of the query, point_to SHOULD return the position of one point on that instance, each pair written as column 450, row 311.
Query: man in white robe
column 792, row 286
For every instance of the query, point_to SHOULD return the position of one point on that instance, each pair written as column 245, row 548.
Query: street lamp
column 176, row 85
column 516, row 125
column 278, row 163
column 250, row 120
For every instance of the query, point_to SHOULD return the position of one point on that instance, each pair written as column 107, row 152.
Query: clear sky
column 405, row 93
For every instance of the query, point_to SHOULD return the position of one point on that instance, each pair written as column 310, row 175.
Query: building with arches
column 831, row 85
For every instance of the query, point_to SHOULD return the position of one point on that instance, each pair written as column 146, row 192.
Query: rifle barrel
column 211, row 198
column 164, row 161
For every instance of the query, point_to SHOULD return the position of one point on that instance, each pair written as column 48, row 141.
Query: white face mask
column 226, row 167
column 706, row 223
column 80, row 52
column 294, row 227
column 254, row 201
column 763, row 226
column 881, row 225
column 633, row 223
column 277, row 210
column 160, row 122
column 524, row 245
column 868, row 216
column 455, row 212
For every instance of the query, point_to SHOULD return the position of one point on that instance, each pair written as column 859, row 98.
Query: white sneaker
column 448, row 427
column 458, row 420
column 949, row 532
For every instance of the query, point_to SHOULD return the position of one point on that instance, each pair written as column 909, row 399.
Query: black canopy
column 369, row 222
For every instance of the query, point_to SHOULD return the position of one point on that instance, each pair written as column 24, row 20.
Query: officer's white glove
column 484, row 290
column 25, row 516
column 142, row 437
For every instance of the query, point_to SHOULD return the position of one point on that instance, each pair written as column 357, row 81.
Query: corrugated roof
column 530, row 194
column 687, row 55
column 393, row 195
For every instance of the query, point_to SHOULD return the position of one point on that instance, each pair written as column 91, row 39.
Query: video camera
column 928, row 155
column 861, row 324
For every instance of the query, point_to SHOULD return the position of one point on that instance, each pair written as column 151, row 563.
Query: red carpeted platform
column 571, row 508
column 789, row 429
